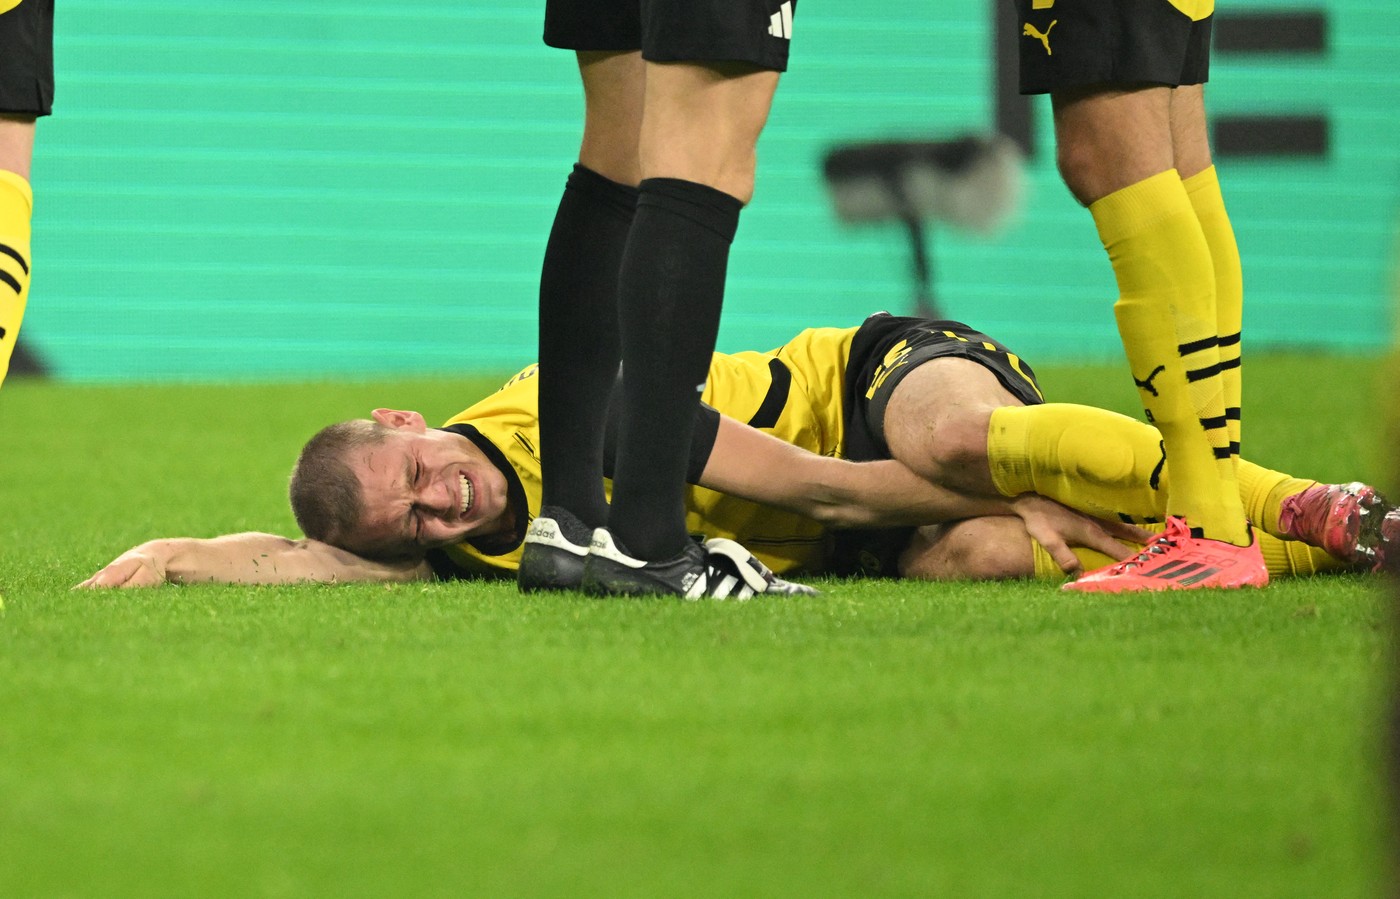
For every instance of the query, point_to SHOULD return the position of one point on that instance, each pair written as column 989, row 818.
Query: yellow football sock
column 1283, row 558
column 1166, row 318
column 1263, row 491
column 16, row 204
column 1204, row 190
column 1109, row 465
column 1099, row 462
column 1293, row 558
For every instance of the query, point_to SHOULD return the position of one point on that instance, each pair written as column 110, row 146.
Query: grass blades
column 884, row 739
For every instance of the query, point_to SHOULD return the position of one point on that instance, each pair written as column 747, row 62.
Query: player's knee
column 731, row 174
column 977, row 549
column 740, row 182
column 957, row 448
column 991, row 549
column 737, row 176
column 1081, row 168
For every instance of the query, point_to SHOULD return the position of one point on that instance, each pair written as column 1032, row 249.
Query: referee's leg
column 700, row 129
column 578, row 342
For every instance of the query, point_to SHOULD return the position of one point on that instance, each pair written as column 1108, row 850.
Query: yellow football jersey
column 793, row 392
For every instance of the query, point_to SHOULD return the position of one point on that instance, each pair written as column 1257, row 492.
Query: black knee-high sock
column 670, row 292
column 578, row 339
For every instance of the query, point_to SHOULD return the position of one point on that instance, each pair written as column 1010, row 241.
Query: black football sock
column 670, row 292
column 578, row 339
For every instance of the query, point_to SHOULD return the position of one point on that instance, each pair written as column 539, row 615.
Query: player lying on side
column 903, row 447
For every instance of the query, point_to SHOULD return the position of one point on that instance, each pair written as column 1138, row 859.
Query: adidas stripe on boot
column 719, row 568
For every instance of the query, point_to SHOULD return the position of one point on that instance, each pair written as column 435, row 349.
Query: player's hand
column 141, row 566
column 1059, row 529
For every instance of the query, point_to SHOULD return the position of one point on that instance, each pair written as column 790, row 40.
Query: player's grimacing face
column 423, row 488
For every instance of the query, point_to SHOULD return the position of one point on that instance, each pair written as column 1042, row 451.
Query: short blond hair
column 325, row 493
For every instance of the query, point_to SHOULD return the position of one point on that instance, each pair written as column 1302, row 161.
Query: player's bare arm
column 248, row 558
column 842, row 494
column 748, row 463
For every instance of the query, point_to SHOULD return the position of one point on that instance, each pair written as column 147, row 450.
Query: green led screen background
column 332, row 188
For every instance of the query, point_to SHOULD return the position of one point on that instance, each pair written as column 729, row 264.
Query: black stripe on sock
column 1221, row 452
column 1232, row 413
column 1229, row 339
column 14, row 254
column 1195, row 346
column 1210, row 424
column 5, row 276
column 1202, row 374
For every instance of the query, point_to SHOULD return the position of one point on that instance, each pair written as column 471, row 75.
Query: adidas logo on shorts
column 780, row 23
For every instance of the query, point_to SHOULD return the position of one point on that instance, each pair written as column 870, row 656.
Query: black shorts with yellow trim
column 888, row 347
column 752, row 31
column 883, row 352
column 1070, row 44
column 26, row 58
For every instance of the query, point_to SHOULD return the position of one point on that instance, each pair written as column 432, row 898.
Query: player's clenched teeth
column 467, row 492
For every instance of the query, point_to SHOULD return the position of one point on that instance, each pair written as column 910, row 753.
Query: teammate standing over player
column 1125, row 81
column 26, row 92
column 676, row 94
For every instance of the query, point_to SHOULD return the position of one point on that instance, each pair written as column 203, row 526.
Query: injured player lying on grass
column 901, row 448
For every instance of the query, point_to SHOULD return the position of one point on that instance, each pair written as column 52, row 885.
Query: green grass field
column 884, row 739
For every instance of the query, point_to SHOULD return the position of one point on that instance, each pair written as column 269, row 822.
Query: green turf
column 460, row 740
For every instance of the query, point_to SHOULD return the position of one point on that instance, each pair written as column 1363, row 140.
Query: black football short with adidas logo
column 752, row 31
column 1068, row 44
column 26, row 58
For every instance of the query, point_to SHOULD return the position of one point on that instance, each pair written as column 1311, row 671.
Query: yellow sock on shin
column 1093, row 460
column 1167, row 321
column 1108, row 465
column 16, row 205
column 1293, row 558
column 1263, row 491
column 1204, row 190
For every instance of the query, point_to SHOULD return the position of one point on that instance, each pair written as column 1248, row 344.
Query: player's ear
column 400, row 419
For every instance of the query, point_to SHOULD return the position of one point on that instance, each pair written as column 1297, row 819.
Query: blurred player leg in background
column 26, row 92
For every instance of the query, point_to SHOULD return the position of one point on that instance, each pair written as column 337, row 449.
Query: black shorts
column 1124, row 42
column 26, row 58
column 889, row 347
column 883, row 352
column 752, row 31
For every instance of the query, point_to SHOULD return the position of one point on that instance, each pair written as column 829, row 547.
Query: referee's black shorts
column 26, row 58
column 752, row 31
column 1086, row 43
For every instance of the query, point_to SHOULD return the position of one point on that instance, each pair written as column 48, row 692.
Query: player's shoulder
column 521, row 376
